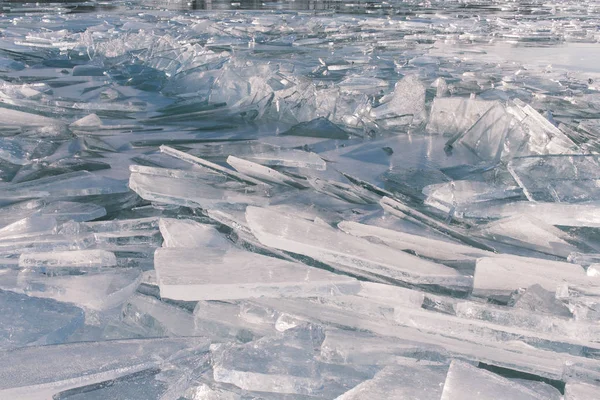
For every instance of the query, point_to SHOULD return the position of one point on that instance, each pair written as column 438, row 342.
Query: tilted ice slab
column 409, row 380
column 98, row 290
column 528, row 232
column 189, row 233
column 68, row 259
column 499, row 276
column 423, row 246
column 230, row 273
column 453, row 115
column 285, row 232
column 25, row 320
column 186, row 192
column 465, row 380
column 40, row 372
column 263, row 173
column 585, row 214
column 581, row 391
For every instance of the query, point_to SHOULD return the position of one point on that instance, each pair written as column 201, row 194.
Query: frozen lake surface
column 299, row 200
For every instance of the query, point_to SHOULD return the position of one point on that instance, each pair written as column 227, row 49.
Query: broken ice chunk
column 28, row 227
column 79, row 183
column 454, row 115
column 581, row 391
column 102, row 290
column 496, row 135
column 155, row 318
column 284, row 363
column 73, row 365
column 528, row 232
column 537, row 300
column 245, row 149
column 71, row 211
column 465, row 380
column 320, row 127
column 263, row 173
column 91, row 121
column 286, row 232
column 288, row 158
column 543, row 137
column 400, row 210
column 27, row 320
column 423, row 246
column 188, row 192
column 515, row 130
column 207, row 164
column 585, row 214
column 222, row 319
column 407, row 102
column 499, row 276
column 188, row 233
column 456, row 196
column 411, row 381
column 560, row 178
column 68, row 259
column 220, row 274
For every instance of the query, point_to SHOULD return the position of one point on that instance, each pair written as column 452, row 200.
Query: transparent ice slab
column 583, row 215
column 69, row 366
column 502, row 275
column 98, row 290
column 528, row 232
column 262, row 173
column 188, row 192
column 560, row 178
column 465, row 380
column 68, row 259
column 31, row 320
column 189, row 233
column 407, row 103
column 222, row 274
column 581, row 391
column 411, row 381
column 284, row 363
column 285, row 232
column 421, row 245
column 454, row 115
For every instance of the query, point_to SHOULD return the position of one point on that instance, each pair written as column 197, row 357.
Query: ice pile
column 294, row 205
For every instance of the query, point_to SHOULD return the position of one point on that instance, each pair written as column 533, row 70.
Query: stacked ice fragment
column 295, row 206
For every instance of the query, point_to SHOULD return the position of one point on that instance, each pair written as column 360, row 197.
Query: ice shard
column 357, row 255
column 228, row 273
column 320, row 128
column 453, row 115
column 189, row 233
column 411, row 381
column 467, row 380
column 283, row 364
column 560, row 178
column 528, row 232
column 421, row 245
column 263, row 173
column 30, row 320
column 581, row 391
column 501, row 275
column 69, row 366
column 68, row 259
column 407, row 104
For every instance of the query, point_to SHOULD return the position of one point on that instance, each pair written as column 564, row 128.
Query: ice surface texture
column 344, row 200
